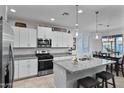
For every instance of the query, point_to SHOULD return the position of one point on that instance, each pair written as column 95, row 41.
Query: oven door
column 49, row 65
column 41, row 65
column 45, row 65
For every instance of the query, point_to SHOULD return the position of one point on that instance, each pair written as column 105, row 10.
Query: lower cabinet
column 25, row 68
column 16, row 69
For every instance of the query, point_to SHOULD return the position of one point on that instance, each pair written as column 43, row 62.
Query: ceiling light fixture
column 80, row 11
column 76, row 24
column 52, row 19
column 97, row 12
column 13, row 10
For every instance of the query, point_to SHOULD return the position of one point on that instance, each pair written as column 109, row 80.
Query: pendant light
column 97, row 12
column 77, row 25
column 109, row 37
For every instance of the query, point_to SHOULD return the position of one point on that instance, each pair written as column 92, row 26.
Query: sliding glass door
column 119, row 45
column 112, row 43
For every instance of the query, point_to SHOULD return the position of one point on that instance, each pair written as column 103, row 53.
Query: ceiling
column 108, row 14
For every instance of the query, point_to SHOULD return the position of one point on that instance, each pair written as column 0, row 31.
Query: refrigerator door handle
column 12, row 63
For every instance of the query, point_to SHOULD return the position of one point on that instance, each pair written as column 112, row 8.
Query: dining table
column 111, row 57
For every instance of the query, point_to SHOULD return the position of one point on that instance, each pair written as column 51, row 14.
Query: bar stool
column 105, row 76
column 87, row 82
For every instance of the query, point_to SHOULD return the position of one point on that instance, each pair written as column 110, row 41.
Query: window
column 113, row 43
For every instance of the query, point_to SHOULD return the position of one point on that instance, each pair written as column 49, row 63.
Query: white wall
column 87, row 43
column 95, row 44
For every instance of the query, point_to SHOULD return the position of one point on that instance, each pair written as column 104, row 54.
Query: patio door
column 113, row 43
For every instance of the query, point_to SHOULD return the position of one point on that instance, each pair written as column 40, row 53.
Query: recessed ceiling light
column 80, row 11
column 76, row 24
column 13, row 10
column 52, row 19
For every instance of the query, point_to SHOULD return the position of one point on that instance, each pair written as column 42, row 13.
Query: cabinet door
column 48, row 33
column 41, row 32
column 60, row 39
column 32, row 38
column 55, row 39
column 24, row 37
column 65, row 40
column 70, row 40
column 16, row 69
column 16, row 36
column 33, row 67
column 23, row 68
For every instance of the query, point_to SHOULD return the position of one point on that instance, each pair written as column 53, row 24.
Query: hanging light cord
column 97, row 12
column 77, row 16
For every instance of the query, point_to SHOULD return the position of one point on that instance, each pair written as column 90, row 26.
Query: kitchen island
column 66, row 73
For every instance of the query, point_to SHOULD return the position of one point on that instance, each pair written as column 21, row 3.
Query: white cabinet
column 16, row 36
column 59, row 39
column 41, row 32
column 69, row 40
column 65, row 40
column 24, row 37
column 48, row 33
column 16, row 69
column 32, row 38
column 62, row 39
column 33, row 67
column 55, row 39
column 44, row 32
column 23, row 68
column 28, row 67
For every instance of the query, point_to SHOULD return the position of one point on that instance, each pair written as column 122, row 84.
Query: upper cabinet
column 59, row 39
column 54, row 39
column 44, row 32
column 32, row 38
column 24, row 37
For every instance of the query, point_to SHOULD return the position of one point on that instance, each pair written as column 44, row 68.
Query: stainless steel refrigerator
column 6, row 54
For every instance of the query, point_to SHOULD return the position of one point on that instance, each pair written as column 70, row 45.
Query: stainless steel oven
column 45, row 63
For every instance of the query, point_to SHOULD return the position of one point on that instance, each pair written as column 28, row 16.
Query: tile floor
column 48, row 82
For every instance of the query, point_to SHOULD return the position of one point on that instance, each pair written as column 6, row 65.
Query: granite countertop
column 28, row 56
column 32, row 56
column 61, row 54
column 82, row 65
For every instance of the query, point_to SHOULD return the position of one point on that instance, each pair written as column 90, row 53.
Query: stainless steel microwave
column 44, row 43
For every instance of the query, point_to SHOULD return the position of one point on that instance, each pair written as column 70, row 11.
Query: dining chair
column 121, row 65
